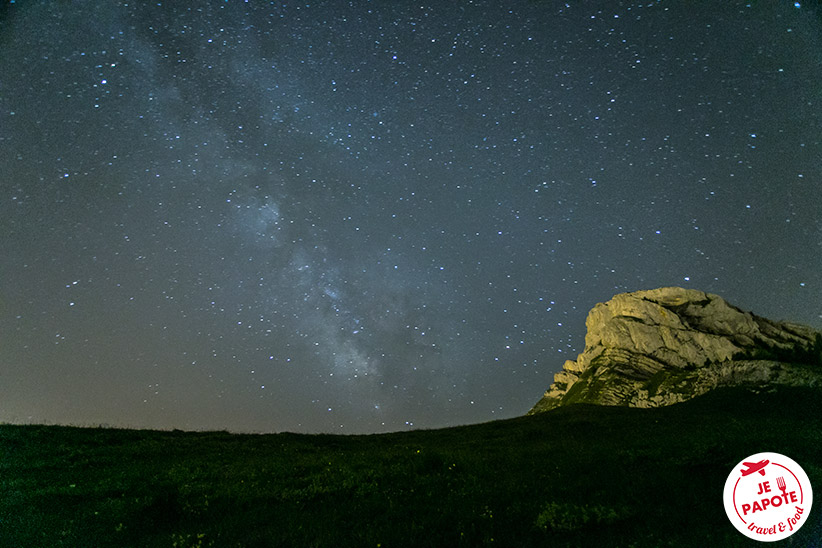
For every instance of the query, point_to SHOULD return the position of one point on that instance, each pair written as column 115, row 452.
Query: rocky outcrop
column 667, row 345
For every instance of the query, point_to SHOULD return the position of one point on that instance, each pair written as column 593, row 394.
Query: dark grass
column 576, row 476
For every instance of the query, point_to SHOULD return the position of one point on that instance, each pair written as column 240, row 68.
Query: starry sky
column 375, row 216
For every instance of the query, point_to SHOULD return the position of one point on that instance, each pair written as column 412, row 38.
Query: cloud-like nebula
column 345, row 217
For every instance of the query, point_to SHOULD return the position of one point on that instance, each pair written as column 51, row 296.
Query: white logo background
column 768, row 497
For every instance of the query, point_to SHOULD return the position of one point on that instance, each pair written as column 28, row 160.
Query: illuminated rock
column 663, row 346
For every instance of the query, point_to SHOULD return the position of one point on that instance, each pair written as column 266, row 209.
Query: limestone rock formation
column 663, row 346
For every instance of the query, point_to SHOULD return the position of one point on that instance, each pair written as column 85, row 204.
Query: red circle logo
column 768, row 497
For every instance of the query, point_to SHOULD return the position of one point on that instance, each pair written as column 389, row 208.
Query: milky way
column 372, row 216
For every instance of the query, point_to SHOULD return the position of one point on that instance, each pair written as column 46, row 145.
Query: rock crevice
column 663, row 346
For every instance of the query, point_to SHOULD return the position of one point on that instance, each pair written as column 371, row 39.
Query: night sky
column 374, row 216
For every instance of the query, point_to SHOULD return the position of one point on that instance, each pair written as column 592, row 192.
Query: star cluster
column 363, row 216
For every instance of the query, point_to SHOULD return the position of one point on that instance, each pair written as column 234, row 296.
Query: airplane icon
column 754, row 467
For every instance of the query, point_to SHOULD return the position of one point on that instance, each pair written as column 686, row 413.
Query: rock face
column 663, row 346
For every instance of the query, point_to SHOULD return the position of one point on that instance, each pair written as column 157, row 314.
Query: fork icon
column 780, row 481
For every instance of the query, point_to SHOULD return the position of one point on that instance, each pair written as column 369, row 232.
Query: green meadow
column 580, row 475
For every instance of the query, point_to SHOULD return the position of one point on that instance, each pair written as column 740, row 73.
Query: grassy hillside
column 576, row 476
